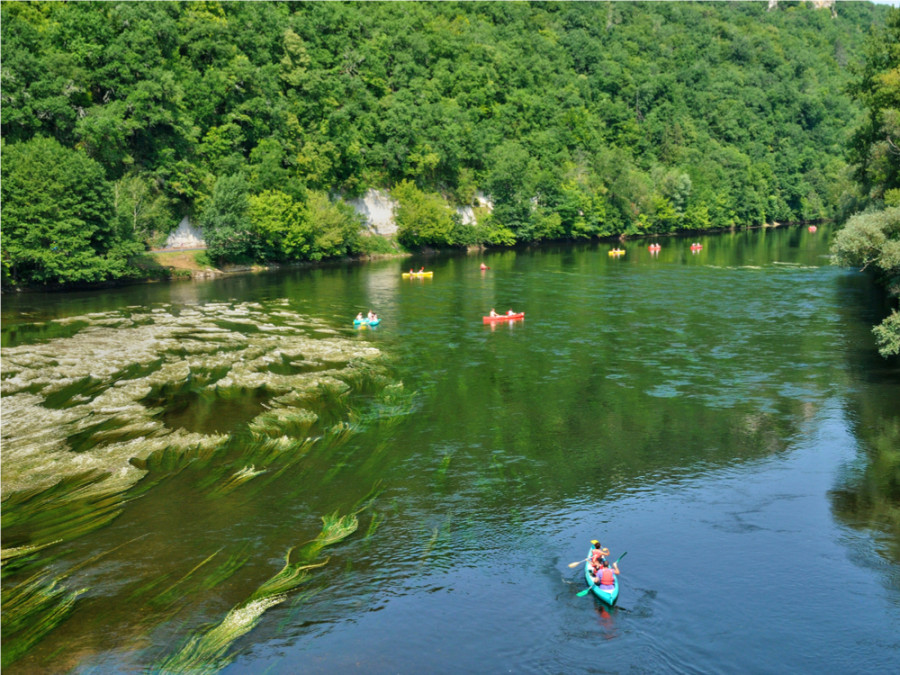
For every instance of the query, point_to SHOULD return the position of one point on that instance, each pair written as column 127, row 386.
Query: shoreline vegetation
column 177, row 265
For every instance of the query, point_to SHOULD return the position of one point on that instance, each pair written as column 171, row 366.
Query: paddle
column 588, row 589
column 578, row 562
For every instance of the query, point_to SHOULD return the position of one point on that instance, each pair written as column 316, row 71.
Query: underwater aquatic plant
column 89, row 425
column 206, row 652
column 35, row 606
column 101, row 390
column 237, row 478
column 30, row 611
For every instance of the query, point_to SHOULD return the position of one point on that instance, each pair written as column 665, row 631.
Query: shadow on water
column 866, row 496
column 210, row 412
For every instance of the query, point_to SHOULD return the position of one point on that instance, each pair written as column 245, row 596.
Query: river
column 226, row 476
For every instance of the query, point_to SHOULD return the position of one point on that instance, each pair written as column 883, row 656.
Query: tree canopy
column 57, row 217
column 574, row 119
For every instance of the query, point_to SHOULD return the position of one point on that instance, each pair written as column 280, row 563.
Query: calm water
column 712, row 414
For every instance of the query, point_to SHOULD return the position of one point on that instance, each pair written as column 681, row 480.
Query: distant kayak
column 413, row 275
column 362, row 323
column 608, row 596
column 503, row 317
column 617, row 251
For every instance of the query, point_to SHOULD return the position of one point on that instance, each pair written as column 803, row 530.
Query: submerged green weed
column 237, row 479
column 377, row 519
column 30, row 611
column 105, row 390
column 99, row 416
column 18, row 557
column 165, row 597
column 66, row 510
column 206, row 652
column 35, row 606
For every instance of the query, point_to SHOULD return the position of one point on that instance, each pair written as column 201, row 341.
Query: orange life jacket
column 607, row 577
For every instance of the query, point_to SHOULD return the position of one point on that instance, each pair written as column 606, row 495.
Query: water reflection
column 606, row 620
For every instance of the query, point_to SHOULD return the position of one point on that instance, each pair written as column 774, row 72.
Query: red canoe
column 504, row 317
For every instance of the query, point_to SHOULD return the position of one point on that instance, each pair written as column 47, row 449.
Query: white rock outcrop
column 377, row 207
column 185, row 236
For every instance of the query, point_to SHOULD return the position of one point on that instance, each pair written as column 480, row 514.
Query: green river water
column 226, row 476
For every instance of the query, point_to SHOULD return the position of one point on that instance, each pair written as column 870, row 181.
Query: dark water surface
column 712, row 414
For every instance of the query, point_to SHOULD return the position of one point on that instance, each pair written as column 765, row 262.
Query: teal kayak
column 607, row 596
column 361, row 323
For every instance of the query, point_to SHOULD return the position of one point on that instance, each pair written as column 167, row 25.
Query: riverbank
column 163, row 265
column 191, row 265
column 194, row 264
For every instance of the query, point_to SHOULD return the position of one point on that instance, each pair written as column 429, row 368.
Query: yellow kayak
column 617, row 251
column 413, row 275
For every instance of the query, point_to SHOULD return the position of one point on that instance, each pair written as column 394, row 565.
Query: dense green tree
column 276, row 221
column 871, row 240
column 225, row 221
column 422, row 219
column 876, row 143
column 58, row 217
column 336, row 227
column 142, row 212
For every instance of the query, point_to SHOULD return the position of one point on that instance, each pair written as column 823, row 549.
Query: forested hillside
column 573, row 119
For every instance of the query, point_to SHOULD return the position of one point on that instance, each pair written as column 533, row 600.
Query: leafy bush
column 422, row 218
column 57, row 217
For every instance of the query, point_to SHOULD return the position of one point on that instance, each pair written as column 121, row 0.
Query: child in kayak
column 598, row 553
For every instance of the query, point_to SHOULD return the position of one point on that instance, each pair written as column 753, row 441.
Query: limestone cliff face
column 818, row 4
column 377, row 208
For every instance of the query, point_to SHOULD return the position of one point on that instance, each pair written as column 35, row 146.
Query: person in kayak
column 605, row 577
column 372, row 315
column 359, row 317
column 598, row 553
column 421, row 269
column 493, row 313
column 510, row 312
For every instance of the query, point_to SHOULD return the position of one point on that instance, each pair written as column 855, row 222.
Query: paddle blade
column 576, row 563
column 621, row 556
column 581, row 594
